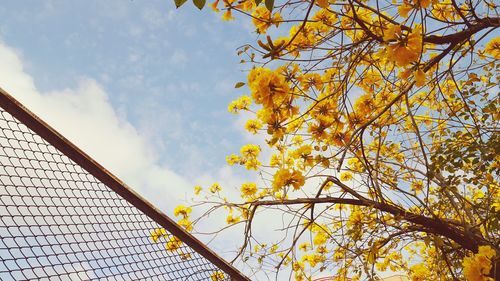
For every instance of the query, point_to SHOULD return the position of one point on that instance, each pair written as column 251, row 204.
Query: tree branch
column 464, row 34
column 431, row 225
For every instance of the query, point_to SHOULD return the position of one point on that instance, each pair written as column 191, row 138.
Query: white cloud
column 179, row 57
column 85, row 116
column 135, row 31
column 157, row 18
column 224, row 87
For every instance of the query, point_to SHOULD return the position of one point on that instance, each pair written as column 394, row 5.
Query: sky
column 141, row 87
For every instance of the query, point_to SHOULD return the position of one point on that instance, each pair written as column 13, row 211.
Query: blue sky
column 140, row 86
column 169, row 73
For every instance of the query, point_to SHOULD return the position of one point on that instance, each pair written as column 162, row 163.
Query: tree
column 381, row 119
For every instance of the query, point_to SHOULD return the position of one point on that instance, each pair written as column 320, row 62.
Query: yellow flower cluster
column 248, row 190
column 215, row 188
column 217, row 276
column 262, row 19
column 242, row 103
column 253, row 126
column 250, row 151
column 493, row 48
column 444, row 10
column 356, row 217
column 173, row 244
column 182, row 210
column 478, row 266
column 407, row 6
column 232, row 219
column 229, row 5
column 285, row 177
column 403, row 48
column 390, row 261
column 268, row 87
column 158, row 233
column 311, row 112
column 313, row 259
column 197, row 190
column 249, row 157
column 233, row 159
column 419, row 272
column 345, row 176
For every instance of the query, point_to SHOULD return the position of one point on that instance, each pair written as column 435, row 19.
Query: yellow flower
column 355, row 165
column 444, row 10
column 314, row 259
column 493, row 48
column 186, row 223
column 232, row 159
column 246, row 5
column 419, row 272
column 268, row 87
column 157, row 233
column 404, row 9
column 371, row 80
column 283, row 177
column 309, row 80
column 327, row 18
column 345, row 176
column 182, row 210
column 173, row 244
column 320, row 238
column 422, row 3
column 253, row 126
column 248, row 189
column 214, row 6
column 262, row 19
column 406, row 49
column 323, row 3
column 185, row 256
column 419, row 78
column 250, row 151
column 365, row 104
column 227, row 15
column 252, row 164
column 217, row 276
column 417, row 186
column 392, row 32
column 275, row 160
column 297, row 266
column 355, row 217
column 487, row 251
column 215, row 188
column 241, row 103
column 339, row 254
column 232, row 220
column 197, row 190
column 273, row 248
column 304, row 246
column 478, row 266
column 297, row 180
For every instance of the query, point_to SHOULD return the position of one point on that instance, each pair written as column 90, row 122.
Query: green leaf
column 179, row 3
column 239, row 85
column 199, row 3
column 269, row 4
column 257, row 2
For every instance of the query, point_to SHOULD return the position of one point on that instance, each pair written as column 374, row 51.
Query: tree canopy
column 381, row 124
